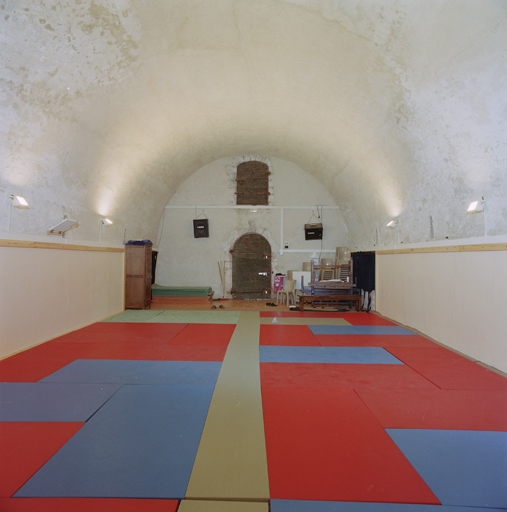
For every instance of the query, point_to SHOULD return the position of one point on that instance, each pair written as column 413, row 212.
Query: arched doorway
column 251, row 267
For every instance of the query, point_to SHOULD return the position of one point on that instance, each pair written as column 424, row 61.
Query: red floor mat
column 123, row 331
column 142, row 350
column 287, row 335
column 40, row 361
column 375, row 376
column 372, row 340
column 360, row 318
column 25, row 447
column 449, row 370
column 205, row 334
column 301, row 314
column 438, row 409
column 146, row 351
column 363, row 318
column 115, row 340
column 36, row 363
column 86, row 505
column 324, row 444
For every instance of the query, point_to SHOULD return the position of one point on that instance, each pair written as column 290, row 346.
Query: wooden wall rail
column 59, row 246
column 448, row 248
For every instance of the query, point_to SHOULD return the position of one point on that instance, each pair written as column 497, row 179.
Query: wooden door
column 251, row 267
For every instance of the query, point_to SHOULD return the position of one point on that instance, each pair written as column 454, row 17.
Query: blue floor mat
column 359, row 329
column 35, row 401
column 343, row 355
column 342, row 506
column 137, row 372
column 465, row 468
column 141, row 444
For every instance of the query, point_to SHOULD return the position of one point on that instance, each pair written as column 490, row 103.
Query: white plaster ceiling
column 398, row 107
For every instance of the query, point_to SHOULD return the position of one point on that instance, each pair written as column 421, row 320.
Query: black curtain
column 364, row 270
column 154, row 255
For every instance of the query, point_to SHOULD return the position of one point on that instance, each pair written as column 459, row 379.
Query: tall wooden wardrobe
column 137, row 276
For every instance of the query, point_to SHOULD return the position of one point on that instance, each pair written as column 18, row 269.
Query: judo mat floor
column 250, row 411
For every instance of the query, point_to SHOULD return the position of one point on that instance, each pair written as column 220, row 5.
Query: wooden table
column 330, row 299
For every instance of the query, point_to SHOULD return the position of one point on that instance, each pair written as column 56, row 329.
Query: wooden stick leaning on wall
column 221, row 269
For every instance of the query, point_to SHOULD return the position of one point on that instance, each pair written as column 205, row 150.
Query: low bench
column 330, row 299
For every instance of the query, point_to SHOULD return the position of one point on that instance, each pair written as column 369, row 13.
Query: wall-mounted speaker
column 201, row 228
column 313, row 231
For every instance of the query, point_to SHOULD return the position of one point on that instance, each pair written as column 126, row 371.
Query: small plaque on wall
column 201, row 228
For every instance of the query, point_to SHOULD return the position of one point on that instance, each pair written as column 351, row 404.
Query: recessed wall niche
column 252, row 183
column 251, row 178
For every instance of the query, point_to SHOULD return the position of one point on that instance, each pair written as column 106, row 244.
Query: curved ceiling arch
column 125, row 100
column 236, row 96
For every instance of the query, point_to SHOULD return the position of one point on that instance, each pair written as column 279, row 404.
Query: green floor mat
column 180, row 291
column 135, row 315
column 198, row 317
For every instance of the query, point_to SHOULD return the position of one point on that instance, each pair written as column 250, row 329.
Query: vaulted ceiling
column 399, row 107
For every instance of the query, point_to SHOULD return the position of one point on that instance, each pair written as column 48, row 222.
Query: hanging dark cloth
column 154, row 255
column 364, row 270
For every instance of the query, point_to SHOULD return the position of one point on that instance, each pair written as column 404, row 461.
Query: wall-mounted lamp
column 253, row 210
column 106, row 223
column 395, row 224
column 16, row 202
column 476, row 206
column 62, row 227
column 19, row 202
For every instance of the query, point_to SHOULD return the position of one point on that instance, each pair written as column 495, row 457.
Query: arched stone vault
column 398, row 107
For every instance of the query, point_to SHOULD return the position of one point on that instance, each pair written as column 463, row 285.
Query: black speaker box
column 201, row 228
column 313, row 231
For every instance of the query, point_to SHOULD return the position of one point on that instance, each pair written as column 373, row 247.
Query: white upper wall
column 187, row 261
column 397, row 107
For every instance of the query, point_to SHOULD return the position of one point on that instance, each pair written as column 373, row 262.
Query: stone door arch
column 251, row 267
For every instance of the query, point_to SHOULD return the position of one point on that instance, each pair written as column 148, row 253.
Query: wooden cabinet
column 137, row 276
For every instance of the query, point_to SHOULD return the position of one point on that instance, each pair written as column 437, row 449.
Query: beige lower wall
column 457, row 298
column 47, row 292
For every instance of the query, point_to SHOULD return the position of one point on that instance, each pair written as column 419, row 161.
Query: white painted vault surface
column 397, row 107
